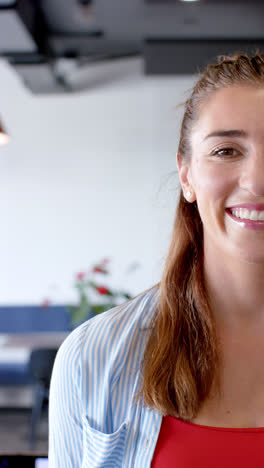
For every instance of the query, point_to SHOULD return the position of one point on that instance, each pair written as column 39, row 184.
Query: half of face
column 225, row 172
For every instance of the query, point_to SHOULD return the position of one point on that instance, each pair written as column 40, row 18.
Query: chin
column 252, row 258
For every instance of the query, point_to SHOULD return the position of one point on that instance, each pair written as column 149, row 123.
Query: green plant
column 95, row 297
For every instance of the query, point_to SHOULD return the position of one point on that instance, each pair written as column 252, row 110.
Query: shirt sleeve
column 65, row 406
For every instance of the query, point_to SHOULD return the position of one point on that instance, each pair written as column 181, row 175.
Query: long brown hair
column 182, row 356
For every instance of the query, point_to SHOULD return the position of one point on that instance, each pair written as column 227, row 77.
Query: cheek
column 212, row 183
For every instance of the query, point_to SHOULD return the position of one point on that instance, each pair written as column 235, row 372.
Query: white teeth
column 254, row 215
column 244, row 213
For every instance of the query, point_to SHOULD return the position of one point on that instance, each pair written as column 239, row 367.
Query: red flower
column 102, row 290
column 80, row 276
column 98, row 269
column 46, row 303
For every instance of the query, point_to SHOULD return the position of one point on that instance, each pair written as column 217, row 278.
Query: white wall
column 85, row 177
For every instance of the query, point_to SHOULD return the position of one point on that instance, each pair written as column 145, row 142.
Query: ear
column 185, row 178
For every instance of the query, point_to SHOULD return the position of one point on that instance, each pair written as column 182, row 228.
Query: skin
column 233, row 255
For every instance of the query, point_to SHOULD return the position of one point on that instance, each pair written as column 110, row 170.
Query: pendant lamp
column 4, row 138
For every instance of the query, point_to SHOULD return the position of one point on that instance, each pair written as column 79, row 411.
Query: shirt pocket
column 101, row 449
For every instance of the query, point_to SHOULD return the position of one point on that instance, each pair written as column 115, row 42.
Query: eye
column 227, row 152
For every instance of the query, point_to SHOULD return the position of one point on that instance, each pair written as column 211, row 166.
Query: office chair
column 40, row 367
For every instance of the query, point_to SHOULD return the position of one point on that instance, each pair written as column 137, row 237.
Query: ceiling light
column 4, row 138
column 189, row 0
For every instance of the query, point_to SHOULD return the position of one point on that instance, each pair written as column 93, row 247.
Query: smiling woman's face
column 226, row 172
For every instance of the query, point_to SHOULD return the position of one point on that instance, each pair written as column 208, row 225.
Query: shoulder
column 97, row 367
column 107, row 335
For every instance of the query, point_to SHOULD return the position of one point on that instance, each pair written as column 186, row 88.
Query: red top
column 187, row 445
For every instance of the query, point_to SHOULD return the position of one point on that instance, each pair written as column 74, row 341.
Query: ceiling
column 43, row 39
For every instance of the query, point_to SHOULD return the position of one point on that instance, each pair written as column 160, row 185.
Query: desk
column 16, row 347
column 32, row 340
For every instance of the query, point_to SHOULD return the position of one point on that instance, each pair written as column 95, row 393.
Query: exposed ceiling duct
column 48, row 40
column 14, row 34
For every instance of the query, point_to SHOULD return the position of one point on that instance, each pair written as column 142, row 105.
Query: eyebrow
column 227, row 133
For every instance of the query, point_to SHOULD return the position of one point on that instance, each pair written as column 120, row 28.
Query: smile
column 243, row 213
column 246, row 218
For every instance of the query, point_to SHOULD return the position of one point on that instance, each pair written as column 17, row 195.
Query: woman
column 177, row 372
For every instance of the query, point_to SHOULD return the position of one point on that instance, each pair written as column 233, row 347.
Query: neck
column 235, row 288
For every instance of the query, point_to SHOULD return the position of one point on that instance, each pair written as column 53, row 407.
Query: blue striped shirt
column 94, row 420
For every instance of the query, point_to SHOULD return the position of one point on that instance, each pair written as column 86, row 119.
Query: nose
column 252, row 174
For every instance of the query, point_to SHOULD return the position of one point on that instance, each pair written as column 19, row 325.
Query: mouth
column 247, row 217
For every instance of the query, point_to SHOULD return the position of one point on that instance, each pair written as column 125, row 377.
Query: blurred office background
column 88, row 96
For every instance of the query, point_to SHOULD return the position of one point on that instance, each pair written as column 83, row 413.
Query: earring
column 189, row 193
